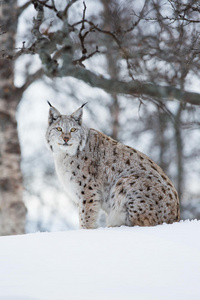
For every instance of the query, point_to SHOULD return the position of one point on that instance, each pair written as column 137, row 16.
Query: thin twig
column 85, row 57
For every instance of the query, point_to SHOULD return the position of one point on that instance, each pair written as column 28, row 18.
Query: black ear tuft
column 49, row 103
column 83, row 104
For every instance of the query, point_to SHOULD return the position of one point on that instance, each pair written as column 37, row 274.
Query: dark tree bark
column 179, row 152
column 12, row 208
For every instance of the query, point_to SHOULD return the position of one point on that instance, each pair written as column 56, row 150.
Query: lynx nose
column 66, row 139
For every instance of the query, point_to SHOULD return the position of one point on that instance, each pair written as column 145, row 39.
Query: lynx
column 101, row 173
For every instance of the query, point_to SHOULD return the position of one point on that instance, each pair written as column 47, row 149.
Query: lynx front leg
column 89, row 209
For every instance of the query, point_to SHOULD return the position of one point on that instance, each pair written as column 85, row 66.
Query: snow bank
column 157, row 263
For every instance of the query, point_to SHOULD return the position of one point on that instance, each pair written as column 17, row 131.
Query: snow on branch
column 162, row 55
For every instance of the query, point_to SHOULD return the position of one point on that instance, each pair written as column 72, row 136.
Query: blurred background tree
column 138, row 66
column 12, row 208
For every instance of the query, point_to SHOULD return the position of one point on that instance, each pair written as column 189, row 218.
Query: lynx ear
column 77, row 115
column 53, row 114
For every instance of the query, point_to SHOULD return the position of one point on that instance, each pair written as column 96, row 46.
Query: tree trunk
column 179, row 151
column 12, row 208
column 162, row 141
column 115, row 112
column 113, row 70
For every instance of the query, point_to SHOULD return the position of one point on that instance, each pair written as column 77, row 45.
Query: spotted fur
column 101, row 173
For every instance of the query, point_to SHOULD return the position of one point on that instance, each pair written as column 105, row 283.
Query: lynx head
column 66, row 132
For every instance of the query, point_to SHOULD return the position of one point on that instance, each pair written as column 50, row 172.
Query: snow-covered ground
column 157, row 263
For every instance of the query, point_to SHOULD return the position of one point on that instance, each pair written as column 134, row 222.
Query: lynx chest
column 65, row 175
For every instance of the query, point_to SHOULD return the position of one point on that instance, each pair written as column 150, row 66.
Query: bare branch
column 85, row 57
column 43, row 45
column 44, row 3
column 47, row 48
column 39, row 20
column 134, row 88
column 31, row 78
column 11, row 55
column 63, row 14
column 23, row 7
column 83, row 36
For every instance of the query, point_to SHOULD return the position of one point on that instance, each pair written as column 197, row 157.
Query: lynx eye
column 59, row 128
column 73, row 129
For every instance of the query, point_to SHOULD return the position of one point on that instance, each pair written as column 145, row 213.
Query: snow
column 157, row 263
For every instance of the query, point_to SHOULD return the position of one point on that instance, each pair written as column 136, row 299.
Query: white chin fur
column 65, row 147
column 69, row 149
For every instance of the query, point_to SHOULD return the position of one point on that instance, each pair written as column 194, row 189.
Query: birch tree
column 12, row 209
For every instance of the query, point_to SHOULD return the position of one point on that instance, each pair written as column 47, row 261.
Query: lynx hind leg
column 127, row 207
column 123, row 203
column 139, row 201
